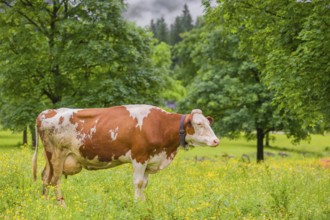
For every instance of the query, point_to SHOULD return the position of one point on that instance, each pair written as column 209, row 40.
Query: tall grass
column 188, row 189
column 203, row 187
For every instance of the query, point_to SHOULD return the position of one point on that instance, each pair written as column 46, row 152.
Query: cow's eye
column 199, row 124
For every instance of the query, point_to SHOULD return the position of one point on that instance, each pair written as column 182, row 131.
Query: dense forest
column 255, row 66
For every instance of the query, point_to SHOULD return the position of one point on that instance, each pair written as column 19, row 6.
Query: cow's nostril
column 216, row 141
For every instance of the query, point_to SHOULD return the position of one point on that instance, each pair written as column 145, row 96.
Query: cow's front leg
column 140, row 179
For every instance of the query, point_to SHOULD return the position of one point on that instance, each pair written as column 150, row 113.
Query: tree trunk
column 33, row 136
column 25, row 139
column 267, row 139
column 260, row 145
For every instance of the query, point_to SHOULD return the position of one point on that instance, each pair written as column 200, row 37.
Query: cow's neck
column 172, row 132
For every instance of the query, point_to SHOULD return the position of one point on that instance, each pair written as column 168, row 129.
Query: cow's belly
column 96, row 164
column 73, row 164
column 159, row 162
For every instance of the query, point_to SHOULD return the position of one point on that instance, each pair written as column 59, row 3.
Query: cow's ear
column 211, row 120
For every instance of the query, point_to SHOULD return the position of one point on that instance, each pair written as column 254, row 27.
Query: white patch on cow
column 64, row 134
column 196, row 111
column 159, row 162
column 92, row 131
column 127, row 158
column 113, row 133
column 139, row 112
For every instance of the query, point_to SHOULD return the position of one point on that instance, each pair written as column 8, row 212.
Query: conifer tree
column 182, row 23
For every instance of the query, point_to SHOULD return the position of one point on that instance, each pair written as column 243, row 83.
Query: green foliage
column 290, row 43
column 186, row 56
column 162, row 61
column 227, row 85
column 226, row 76
column 254, row 66
column 60, row 53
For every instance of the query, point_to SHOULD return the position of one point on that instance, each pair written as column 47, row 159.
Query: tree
column 182, row 23
column 176, row 30
column 71, row 53
column 162, row 60
column 160, row 30
column 290, row 43
column 185, row 67
column 153, row 27
column 228, row 86
column 187, row 22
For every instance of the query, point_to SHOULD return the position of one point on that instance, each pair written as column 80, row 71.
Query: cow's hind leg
column 46, row 176
column 47, row 172
column 140, row 179
column 52, row 173
column 57, row 165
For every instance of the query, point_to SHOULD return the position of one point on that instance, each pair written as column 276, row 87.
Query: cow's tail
column 35, row 156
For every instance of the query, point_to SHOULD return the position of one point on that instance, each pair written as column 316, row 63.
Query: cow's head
column 199, row 131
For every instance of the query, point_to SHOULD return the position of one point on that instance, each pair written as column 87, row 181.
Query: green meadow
column 201, row 183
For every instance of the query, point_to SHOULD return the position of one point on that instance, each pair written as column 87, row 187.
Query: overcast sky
column 141, row 12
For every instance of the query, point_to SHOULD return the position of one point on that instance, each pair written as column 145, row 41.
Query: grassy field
column 9, row 140
column 202, row 183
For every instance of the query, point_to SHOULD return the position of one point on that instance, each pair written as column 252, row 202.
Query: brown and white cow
column 100, row 138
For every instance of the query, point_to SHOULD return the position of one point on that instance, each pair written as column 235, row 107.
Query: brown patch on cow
column 50, row 113
column 100, row 143
column 189, row 128
column 61, row 119
column 156, row 138
column 52, row 130
column 72, row 118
